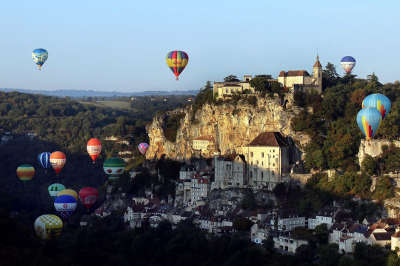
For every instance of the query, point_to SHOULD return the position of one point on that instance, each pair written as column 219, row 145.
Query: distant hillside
column 92, row 93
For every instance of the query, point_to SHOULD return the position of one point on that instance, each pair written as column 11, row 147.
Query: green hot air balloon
column 114, row 167
column 54, row 189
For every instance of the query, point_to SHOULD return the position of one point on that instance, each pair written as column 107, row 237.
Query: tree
column 329, row 76
column 242, row 224
column 321, row 234
column 231, row 78
column 248, row 202
column 369, row 165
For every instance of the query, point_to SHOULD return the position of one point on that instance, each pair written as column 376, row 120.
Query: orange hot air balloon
column 94, row 148
column 57, row 161
column 25, row 172
column 88, row 196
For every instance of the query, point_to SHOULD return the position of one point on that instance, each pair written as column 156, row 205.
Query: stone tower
column 317, row 74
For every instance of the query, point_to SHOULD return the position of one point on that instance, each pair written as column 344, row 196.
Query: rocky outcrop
column 231, row 125
column 373, row 148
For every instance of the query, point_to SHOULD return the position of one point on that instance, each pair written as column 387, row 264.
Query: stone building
column 302, row 80
column 202, row 143
column 268, row 160
column 223, row 90
column 230, row 171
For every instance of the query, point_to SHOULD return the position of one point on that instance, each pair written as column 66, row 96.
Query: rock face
column 373, row 148
column 231, row 126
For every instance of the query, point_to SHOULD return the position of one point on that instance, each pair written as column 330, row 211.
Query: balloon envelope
column 54, row 189
column 348, row 63
column 177, row 61
column 40, row 56
column 143, row 148
column 58, row 160
column 114, row 167
column 65, row 205
column 48, row 226
column 94, row 148
column 44, row 159
column 369, row 120
column 25, row 172
column 378, row 101
column 88, row 196
column 68, row 191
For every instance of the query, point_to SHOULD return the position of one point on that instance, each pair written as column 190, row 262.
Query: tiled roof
column 381, row 236
column 294, row 73
column 272, row 139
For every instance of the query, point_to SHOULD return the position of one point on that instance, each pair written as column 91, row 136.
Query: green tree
column 231, row 78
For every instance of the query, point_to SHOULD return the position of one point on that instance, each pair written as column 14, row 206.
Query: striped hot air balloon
column 378, row 101
column 143, row 148
column 25, row 172
column 348, row 63
column 54, row 189
column 48, row 226
column 44, row 159
column 58, row 160
column 369, row 120
column 40, row 56
column 177, row 61
column 69, row 192
column 94, row 148
column 114, row 167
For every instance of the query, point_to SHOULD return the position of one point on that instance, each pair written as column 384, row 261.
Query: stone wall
column 373, row 148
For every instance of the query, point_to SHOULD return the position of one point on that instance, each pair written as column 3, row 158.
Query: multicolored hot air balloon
column 177, row 61
column 40, row 56
column 25, row 172
column 44, row 159
column 378, row 101
column 58, row 160
column 48, row 226
column 369, row 120
column 114, row 167
column 143, row 148
column 88, row 196
column 94, row 148
column 65, row 205
column 54, row 189
column 69, row 192
column 348, row 63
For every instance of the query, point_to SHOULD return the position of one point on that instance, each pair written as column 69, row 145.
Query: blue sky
column 121, row 45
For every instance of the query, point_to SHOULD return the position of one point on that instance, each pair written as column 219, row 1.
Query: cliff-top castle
column 292, row 79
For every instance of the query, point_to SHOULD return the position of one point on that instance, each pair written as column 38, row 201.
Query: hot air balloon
column 94, row 148
column 54, row 189
column 65, row 205
column 143, row 148
column 369, row 120
column 44, row 159
column 114, row 167
column 58, row 160
column 88, row 196
column 40, row 56
column 48, row 226
column 25, row 172
column 378, row 101
column 69, row 192
column 348, row 63
column 177, row 61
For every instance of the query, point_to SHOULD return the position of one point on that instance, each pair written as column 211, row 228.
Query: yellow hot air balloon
column 48, row 226
column 70, row 192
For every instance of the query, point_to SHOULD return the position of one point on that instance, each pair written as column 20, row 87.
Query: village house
column 346, row 236
column 288, row 244
column 318, row 220
column 222, row 90
column 200, row 189
column 202, row 143
column 288, row 223
column 259, row 232
column 268, row 160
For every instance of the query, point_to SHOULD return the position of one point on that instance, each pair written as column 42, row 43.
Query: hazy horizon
column 96, row 45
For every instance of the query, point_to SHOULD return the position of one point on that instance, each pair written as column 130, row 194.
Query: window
column 262, row 163
column 257, row 162
column 262, row 175
column 226, row 90
column 273, row 164
column 251, row 154
column 262, row 155
column 273, row 173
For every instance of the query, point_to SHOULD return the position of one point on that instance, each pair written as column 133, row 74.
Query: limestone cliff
column 373, row 148
column 230, row 125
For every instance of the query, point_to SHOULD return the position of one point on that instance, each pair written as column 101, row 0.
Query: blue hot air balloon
column 65, row 205
column 44, row 160
column 369, row 120
column 348, row 63
column 378, row 101
column 40, row 56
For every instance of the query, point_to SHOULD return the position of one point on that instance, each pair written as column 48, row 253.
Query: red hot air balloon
column 57, row 161
column 88, row 196
column 94, row 148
